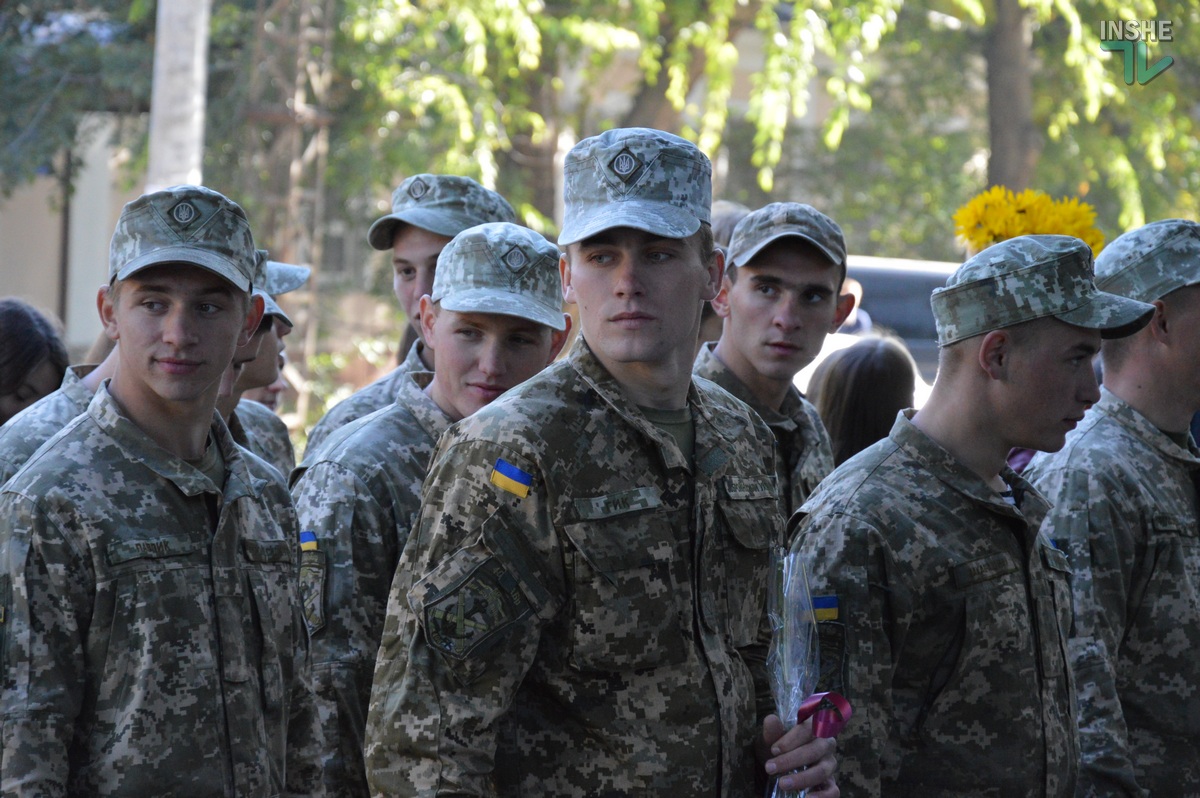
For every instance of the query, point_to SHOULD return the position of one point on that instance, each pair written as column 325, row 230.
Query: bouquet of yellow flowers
column 998, row 214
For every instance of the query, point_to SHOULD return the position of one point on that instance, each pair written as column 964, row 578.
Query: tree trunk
column 177, row 102
column 1015, row 141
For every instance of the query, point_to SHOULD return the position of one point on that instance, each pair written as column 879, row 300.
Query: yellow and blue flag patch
column 825, row 608
column 507, row 476
column 308, row 541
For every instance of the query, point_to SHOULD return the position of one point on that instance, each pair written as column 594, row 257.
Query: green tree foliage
column 901, row 170
column 60, row 61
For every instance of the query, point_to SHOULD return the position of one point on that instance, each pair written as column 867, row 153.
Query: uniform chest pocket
column 1170, row 530
column 748, row 507
column 628, row 574
column 154, row 595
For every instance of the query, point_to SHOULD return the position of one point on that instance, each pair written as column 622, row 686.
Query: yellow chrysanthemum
column 998, row 214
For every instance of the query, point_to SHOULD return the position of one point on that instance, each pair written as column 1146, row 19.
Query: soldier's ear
column 428, row 313
column 720, row 302
column 559, row 337
column 716, row 272
column 845, row 304
column 106, row 306
column 995, row 354
column 254, row 313
column 564, row 272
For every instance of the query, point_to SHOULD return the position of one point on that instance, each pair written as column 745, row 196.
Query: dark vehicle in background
column 896, row 296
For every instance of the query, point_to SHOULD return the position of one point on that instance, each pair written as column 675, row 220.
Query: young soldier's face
column 264, row 368
column 778, row 309
column 482, row 355
column 1050, row 383
column 639, row 295
column 414, row 260
column 178, row 327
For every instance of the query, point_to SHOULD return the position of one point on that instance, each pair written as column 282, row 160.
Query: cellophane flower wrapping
column 793, row 661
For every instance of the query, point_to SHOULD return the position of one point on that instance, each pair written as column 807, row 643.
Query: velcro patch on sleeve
column 471, row 615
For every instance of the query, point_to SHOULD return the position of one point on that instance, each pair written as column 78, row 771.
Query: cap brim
column 205, row 259
column 650, row 216
column 444, row 223
column 742, row 258
column 284, row 277
column 271, row 308
column 486, row 300
column 1114, row 316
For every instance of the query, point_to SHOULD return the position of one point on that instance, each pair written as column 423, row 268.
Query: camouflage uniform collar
column 237, row 430
column 593, row 372
column 412, row 397
column 949, row 470
column 1141, row 427
column 72, row 384
column 412, row 361
column 135, row 444
column 789, row 418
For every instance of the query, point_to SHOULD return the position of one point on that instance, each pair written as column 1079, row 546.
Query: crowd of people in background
column 512, row 567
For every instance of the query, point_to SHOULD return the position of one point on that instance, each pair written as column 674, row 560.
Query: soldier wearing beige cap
column 257, row 365
column 581, row 606
column 1124, row 490
column 427, row 211
column 493, row 319
column 946, row 610
column 152, row 630
column 780, row 296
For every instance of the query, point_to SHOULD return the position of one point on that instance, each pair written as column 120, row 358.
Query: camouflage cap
column 442, row 204
column 281, row 278
column 184, row 224
column 501, row 268
column 1027, row 278
column 786, row 220
column 1152, row 261
column 635, row 177
column 272, row 278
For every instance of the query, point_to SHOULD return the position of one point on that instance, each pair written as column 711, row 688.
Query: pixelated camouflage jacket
column 805, row 454
column 24, row 433
column 604, row 634
column 359, row 498
column 950, row 614
column 142, row 652
column 375, row 396
column 1125, row 511
column 266, row 435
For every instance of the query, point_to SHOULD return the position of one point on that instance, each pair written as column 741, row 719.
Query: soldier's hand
column 805, row 761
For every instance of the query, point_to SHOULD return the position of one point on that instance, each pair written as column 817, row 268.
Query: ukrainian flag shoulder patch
column 308, row 541
column 825, row 608
column 508, row 477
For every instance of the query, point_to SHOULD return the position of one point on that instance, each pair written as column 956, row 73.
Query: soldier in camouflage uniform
column 942, row 611
column 1124, row 494
column 582, row 608
column 253, row 426
column 151, row 636
column 22, row 434
column 427, row 211
column 494, row 320
column 780, row 297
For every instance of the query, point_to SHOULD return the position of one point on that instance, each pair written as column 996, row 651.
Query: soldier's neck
column 179, row 426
